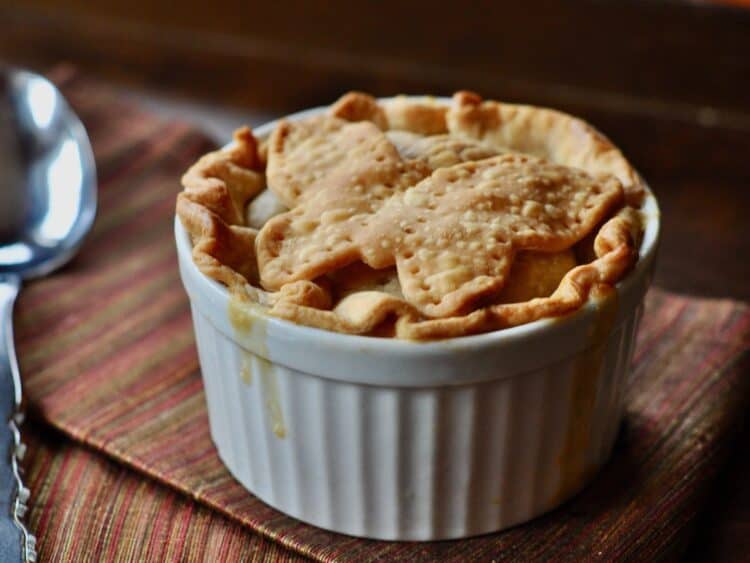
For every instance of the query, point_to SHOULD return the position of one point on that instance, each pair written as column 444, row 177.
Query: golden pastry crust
column 452, row 236
column 360, row 277
column 543, row 132
column 535, row 274
column 224, row 181
column 212, row 210
column 309, row 241
column 356, row 106
column 405, row 218
column 424, row 117
column 439, row 151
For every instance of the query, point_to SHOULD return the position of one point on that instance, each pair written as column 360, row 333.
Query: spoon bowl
column 47, row 205
column 48, row 184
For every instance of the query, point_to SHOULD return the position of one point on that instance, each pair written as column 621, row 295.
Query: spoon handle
column 16, row 543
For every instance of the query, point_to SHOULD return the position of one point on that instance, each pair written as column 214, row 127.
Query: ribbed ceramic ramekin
column 398, row 440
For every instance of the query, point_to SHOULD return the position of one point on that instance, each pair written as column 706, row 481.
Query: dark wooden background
column 668, row 81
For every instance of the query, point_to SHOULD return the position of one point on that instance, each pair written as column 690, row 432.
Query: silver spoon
column 47, row 205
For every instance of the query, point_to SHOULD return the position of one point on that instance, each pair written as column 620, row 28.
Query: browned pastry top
column 416, row 219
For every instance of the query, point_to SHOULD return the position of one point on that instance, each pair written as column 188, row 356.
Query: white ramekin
column 398, row 440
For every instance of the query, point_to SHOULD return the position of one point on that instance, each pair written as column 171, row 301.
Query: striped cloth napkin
column 121, row 465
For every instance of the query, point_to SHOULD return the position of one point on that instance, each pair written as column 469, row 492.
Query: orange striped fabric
column 108, row 358
column 87, row 508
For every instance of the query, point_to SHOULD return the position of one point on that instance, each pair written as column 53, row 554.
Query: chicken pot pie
column 416, row 219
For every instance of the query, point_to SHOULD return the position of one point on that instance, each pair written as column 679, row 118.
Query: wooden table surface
column 679, row 112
